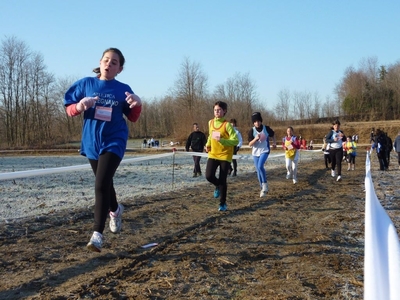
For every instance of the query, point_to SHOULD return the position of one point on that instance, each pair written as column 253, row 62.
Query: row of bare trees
column 372, row 91
column 32, row 112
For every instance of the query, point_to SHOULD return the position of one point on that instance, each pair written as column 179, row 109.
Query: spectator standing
column 236, row 148
column 380, row 145
column 196, row 141
column 258, row 138
column 335, row 138
column 291, row 145
column 220, row 142
column 396, row 147
column 104, row 102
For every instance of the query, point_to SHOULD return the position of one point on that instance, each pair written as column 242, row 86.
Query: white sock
column 115, row 213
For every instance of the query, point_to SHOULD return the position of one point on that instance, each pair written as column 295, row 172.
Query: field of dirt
column 302, row 241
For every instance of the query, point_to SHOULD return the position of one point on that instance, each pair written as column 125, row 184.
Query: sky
column 298, row 45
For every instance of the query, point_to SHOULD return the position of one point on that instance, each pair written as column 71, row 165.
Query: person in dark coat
column 196, row 141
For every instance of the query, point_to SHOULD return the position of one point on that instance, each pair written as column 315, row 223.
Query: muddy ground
column 302, row 241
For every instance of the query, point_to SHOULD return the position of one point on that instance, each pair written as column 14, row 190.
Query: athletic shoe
column 294, row 181
column 96, row 242
column 216, row 192
column 348, row 169
column 333, row 173
column 339, row 178
column 234, row 174
column 116, row 221
column 195, row 175
column 288, row 175
column 223, row 207
column 265, row 187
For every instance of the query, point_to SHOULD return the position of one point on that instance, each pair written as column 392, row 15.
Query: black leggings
column 106, row 199
column 336, row 159
column 327, row 160
column 211, row 168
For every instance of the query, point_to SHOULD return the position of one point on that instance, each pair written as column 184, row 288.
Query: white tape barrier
column 381, row 248
column 40, row 172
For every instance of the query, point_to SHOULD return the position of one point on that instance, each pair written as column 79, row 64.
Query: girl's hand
column 133, row 100
column 86, row 103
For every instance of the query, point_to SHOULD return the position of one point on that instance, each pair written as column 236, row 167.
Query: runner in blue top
column 104, row 102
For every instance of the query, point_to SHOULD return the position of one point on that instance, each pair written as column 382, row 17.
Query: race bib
column 263, row 137
column 103, row 113
column 216, row 135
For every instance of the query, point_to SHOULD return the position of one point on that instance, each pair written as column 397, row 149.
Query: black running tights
column 220, row 182
column 106, row 199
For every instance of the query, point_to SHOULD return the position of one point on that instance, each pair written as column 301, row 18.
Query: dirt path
column 302, row 241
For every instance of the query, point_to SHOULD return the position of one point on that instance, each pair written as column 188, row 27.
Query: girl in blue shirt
column 104, row 102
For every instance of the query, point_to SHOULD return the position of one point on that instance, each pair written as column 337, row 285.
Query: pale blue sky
column 297, row 45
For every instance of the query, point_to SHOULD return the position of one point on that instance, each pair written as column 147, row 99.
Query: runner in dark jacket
column 196, row 141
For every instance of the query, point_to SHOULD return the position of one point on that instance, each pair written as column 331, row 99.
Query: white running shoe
column 264, row 189
column 288, row 175
column 96, row 242
column 339, row 178
column 116, row 221
column 333, row 173
column 294, row 181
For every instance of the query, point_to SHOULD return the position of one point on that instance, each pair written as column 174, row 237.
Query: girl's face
column 218, row 112
column 257, row 124
column 289, row 132
column 110, row 66
column 336, row 127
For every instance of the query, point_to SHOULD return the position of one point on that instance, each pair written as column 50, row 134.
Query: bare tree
column 190, row 86
column 299, row 112
column 316, row 111
column 240, row 93
column 282, row 108
column 329, row 108
column 14, row 56
column 25, row 94
column 306, row 98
